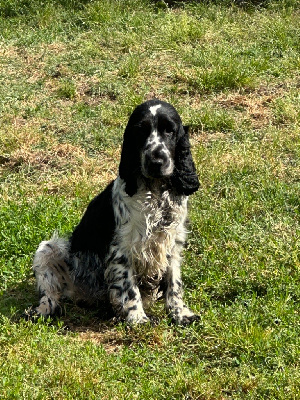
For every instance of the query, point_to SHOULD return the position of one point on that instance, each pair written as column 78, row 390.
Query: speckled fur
column 128, row 245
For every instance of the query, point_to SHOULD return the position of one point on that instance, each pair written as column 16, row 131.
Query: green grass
column 71, row 73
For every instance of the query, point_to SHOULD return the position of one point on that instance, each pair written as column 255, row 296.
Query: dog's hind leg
column 50, row 266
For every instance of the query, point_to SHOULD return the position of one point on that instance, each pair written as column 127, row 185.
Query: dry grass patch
column 256, row 109
column 254, row 105
column 20, row 134
column 110, row 340
column 113, row 338
column 63, row 168
column 59, row 156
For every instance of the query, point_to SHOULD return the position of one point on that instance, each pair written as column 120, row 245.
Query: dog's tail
column 51, row 269
column 54, row 250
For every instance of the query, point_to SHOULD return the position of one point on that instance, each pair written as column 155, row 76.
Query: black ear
column 184, row 178
column 130, row 165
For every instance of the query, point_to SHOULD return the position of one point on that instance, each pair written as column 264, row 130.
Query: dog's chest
column 148, row 228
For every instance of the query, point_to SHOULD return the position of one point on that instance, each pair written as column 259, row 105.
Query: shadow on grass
column 17, row 298
column 13, row 9
column 239, row 3
column 229, row 296
column 75, row 316
column 95, row 325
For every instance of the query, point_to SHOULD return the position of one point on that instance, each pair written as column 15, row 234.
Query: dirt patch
column 100, row 334
column 255, row 106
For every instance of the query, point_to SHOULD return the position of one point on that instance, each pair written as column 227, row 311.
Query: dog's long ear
column 184, row 178
column 130, row 165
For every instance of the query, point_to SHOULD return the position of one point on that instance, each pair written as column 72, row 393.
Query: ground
column 71, row 73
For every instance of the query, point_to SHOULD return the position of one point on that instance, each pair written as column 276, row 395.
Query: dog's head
column 156, row 146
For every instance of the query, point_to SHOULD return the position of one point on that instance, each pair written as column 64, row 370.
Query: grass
column 71, row 73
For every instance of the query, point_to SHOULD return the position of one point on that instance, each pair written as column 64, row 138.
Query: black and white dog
column 127, row 247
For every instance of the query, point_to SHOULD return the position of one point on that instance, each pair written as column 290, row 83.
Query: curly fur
column 127, row 246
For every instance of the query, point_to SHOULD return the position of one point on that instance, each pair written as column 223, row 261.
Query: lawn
column 71, row 72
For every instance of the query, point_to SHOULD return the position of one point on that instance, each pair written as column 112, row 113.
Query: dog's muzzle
column 157, row 163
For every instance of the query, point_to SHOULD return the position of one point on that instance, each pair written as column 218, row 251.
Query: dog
column 126, row 250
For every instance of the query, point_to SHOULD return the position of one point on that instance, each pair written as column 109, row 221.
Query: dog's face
column 155, row 127
column 156, row 145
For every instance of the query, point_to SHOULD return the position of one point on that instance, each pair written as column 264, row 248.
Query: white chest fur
column 148, row 225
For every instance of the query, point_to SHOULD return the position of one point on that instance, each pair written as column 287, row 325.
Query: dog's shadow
column 74, row 316
column 96, row 323
column 88, row 324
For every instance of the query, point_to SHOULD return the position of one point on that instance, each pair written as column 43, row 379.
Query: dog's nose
column 158, row 156
column 156, row 163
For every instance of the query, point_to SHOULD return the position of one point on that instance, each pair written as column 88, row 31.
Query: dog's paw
column 137, row 318
column 30, row 314
column 34, row 313
column 186, row 320
column 184, row 316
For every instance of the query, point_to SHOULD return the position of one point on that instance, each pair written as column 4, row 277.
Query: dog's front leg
column 175, row 306
column 124, row 294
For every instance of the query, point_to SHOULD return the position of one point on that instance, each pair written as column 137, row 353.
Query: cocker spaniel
column 127, row 247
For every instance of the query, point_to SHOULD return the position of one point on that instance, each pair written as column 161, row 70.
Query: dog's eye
column 142, row 131
column 144, row 127
column 166, row 127
column 168, row 133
